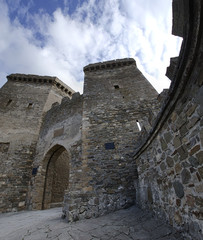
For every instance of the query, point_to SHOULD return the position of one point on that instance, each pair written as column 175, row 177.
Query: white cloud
column 97, row 31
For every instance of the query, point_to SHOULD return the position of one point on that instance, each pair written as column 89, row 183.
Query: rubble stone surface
column 128, row 224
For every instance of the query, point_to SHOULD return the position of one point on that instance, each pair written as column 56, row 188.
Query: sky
column 60, row 37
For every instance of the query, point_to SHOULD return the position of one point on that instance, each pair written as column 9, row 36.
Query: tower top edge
column 109, row 64
column 30, row 78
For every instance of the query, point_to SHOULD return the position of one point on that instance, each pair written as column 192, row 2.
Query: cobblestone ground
column 127, row 224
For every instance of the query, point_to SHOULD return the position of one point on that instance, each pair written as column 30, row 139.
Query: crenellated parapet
column 28, row 78
column 109, row 64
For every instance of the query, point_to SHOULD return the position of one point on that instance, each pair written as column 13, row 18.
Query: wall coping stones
column 29, row 78
column 109, row 64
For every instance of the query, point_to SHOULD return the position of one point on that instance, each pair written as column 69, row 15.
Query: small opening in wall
column 138, row 125
column 116, row 86
column 30, row 105
column 9, row 102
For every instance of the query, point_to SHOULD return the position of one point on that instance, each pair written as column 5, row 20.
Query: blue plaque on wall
column 34, row 171
column 109, row 146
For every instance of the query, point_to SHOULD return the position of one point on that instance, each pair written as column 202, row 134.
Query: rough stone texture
column 95, row 141
column 59, row 141
column 23, row 101
column 116, row 97
column 175, row 143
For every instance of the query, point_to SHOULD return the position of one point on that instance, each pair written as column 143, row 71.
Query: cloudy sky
column 59, row 37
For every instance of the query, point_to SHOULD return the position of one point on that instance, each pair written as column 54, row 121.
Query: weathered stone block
column 191, row 110
column 179, row 190
column 170, row 162
column 194, row 161
column 163, row 144
column 199, row 188
column 192, row 122
column 163, row 166
column 176, row 142
column 190, row 200
column 183, row 130
column 199, row 157
column 182, row 153
column 178, row 168
column 168, row 136
column 178, row 218
column 200, row 170
column 186, row 176
column 194, row 149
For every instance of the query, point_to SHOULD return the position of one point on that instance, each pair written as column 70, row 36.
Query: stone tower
column 24, row 100
column 117, row 102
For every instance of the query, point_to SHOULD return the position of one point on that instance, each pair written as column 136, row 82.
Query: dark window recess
column 116, row 86
column 9, row 102
column 30, row 105
column 109, row 146
column 34, row 171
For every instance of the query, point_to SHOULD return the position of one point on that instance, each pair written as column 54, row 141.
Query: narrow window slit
column 138, row 125
column 9, row 102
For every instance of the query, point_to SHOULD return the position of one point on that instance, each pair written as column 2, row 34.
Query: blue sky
column 59, row 37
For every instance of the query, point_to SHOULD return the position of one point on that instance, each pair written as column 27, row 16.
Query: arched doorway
column 56, row 177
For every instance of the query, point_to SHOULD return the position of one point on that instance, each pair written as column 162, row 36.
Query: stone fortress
column 118, row 144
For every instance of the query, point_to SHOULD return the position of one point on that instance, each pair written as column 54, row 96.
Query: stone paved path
column 127, row 224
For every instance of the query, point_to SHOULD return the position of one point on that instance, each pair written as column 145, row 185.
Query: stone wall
column 170, row 160
column 59, row 143
column 116, row 98
column 23, row 102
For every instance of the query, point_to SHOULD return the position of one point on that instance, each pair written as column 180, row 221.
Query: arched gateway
column 56, row 176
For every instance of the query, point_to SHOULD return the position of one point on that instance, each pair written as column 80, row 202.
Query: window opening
column 9, row 102
column 116, row 86
column 138, row 125
column 30, row 105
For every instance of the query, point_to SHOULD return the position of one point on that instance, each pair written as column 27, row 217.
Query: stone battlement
column 109, row 64
column 28, row 78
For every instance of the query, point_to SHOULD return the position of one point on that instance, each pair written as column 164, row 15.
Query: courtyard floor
column 128, row 224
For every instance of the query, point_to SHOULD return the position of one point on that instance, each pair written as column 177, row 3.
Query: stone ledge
column 171, row 69
column 179, row 17
column 109, row 64
column 28, row 78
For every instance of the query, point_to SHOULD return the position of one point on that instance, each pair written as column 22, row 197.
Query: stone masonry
column 23, row 101
column 170, row 159
column 118, row 144
column 116, row 98
column 82, row 145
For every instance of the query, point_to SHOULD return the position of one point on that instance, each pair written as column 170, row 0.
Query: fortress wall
column 171, row 168
column 170, row 160
column 116, row 96
column 22, row 102
column 61, row 128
